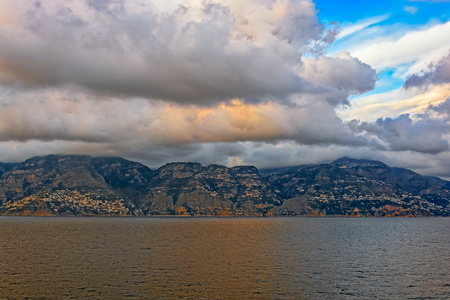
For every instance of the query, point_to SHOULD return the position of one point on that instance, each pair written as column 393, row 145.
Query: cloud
column 426, row 133
column 201, row 52
column 166, row 81
column 394, row 103
column 352, row 28
column 72, row 115
column 410, row 9
column 430, row 87
column 406, row 49
column 71, row 121
column 437, row 73
column 442, row 109
column 224, row 81
column 402, row 134
column 339, row 76
column 410, row 120
column 265, row 134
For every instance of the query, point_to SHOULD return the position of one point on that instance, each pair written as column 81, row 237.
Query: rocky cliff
column 84, row 185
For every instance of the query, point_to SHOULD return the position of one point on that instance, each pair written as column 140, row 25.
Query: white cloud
column 411, row 9
column 417, row 48
column 349, row 29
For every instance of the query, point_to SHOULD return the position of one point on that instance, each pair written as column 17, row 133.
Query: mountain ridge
column 89, row 186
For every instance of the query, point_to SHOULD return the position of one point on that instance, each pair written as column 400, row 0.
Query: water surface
column 214, row 258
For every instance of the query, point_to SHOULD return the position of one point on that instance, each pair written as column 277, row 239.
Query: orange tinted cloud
column 234, row 121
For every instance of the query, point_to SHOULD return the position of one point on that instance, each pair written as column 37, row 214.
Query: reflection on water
column 277, row 258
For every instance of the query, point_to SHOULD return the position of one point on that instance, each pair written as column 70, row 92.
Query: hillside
column 89, row 186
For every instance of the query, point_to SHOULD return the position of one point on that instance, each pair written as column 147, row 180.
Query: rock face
column 84, row 185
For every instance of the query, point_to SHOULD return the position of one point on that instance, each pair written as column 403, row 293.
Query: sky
column 258, row 82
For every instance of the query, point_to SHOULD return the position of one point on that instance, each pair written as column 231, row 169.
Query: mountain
column 73, row 185
column 88, row 186
column 83, row 185
column 353, row 187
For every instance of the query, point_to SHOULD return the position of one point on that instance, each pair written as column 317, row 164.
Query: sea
column 224, row 258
